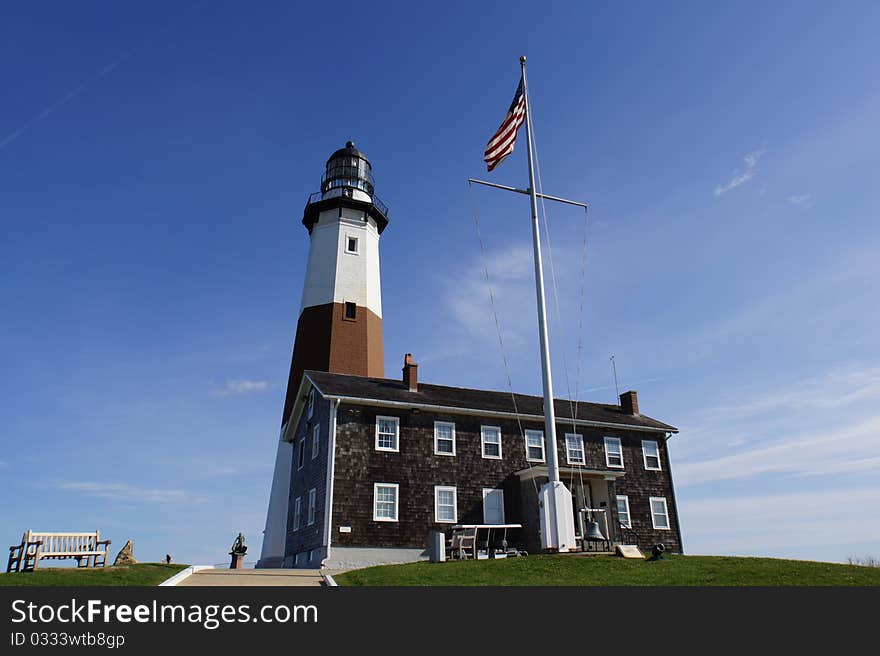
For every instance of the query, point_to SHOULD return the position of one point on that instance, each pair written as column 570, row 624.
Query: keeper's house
column 368, row 467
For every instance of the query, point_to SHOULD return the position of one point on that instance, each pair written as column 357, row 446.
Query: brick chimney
column 410, row 373
column 629, row 402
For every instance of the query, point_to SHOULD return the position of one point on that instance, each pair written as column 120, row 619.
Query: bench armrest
column 99, row 542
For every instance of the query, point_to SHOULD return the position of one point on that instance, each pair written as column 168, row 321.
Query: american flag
column 501, row 143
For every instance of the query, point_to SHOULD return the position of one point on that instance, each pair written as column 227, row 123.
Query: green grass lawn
column 612, row 570
column 142, row 574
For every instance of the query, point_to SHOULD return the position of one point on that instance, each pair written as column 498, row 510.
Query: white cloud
column 804, row 200
column 129, row 493
column 242, row 387
column 782, row 523
column 741, row 177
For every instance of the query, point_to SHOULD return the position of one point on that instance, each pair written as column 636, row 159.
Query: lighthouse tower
column 340, row 319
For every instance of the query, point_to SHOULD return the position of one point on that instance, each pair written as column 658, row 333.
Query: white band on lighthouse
column 343, row 262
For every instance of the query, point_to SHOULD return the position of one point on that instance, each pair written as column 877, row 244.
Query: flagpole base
column 556, row 517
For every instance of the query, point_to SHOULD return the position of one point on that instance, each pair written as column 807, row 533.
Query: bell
column 593, row 532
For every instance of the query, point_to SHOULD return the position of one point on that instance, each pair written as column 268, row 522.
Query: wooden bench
column 83, row 547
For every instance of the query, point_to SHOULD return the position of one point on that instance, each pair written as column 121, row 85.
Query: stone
column 125, row 555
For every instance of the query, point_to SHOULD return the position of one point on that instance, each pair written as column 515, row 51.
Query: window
column 445, row 504
column 311, row 408
column 491, row 438
column 623, row 510
column 385, row 502
column 311, row 514
column 493, row 506
column 535, row 446
column 297, row 512
column 316, row 441
column 387, row 432
column 574, row 449
column 613, row 452
column 651, row 454
column 659, row 513
column 351, row 244
column 444, row 438
column 350, row 311
column 301, row 456
column 311, row 555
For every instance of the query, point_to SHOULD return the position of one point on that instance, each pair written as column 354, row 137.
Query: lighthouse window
column 350, row 311
column 351, row 245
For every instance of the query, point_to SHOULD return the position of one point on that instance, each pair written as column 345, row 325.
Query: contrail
column 102, row 72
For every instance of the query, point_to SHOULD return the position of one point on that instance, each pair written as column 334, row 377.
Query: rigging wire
column 498, row 328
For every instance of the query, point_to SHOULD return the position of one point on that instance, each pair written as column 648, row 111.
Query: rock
column 125, row 555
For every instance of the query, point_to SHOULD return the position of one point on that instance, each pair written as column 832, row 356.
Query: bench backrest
column 55, row 543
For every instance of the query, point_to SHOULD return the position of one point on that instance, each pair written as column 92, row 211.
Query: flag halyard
column 502, row 142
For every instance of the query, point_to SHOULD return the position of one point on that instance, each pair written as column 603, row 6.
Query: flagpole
column 549, row 410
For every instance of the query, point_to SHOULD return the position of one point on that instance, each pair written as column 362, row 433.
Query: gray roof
column 382, row 389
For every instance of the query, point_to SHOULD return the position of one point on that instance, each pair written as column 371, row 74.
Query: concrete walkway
column 245, row 577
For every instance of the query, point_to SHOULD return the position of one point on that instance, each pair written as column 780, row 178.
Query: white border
column 500, row 455
column 446, row 488
column 396, row 487
column 668, row 526
column 185, row 574
column 656, row 444
column 629, row 517
column 568, row 459
column 620, row 449
column 396, row 421
column 444, row 423
column 526, row 439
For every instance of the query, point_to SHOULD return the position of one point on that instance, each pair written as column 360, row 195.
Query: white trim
column 656, row 444
column 568, row 459
column 331, row 468
column 619, row 449
column 297, row 513
column 185, row 574
column 329, row 581
column 665, row 514
column 453, row 410
column 493, row 490
column 446, row 488
column 301, row 454
column 310, row 409
column 348, row 239
column 629, row 521
column 316, row 440
column 312, row 507
column 540, row 435
column 483, row 442
column 396, row 421
column 396, row 487
column 436, row 439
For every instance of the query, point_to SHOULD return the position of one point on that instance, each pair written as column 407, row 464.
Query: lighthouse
column 340, row 321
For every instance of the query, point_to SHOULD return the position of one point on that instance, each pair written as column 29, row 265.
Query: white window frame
column 494, row 490
column 645, row 454
column 437, row 424
column 483, row 442
column 665, row 514
column 316, row 440
column 396, row 487
column 534, row 433
column 301, row 455
column 312, row 503
column 445, row 488
column 568, row 458
column 297, row 512
column 310, row 410
column 356, row 242
column 625, row 499
column 396, row 421
column 608, row 453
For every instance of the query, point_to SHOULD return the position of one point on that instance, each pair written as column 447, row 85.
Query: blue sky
column 155, row 159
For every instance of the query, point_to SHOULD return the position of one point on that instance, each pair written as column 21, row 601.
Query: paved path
column 274, row 577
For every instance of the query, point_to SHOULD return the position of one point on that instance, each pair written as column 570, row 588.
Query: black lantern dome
column 348, row 167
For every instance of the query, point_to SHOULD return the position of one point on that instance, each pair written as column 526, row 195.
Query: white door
column 493, row 506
